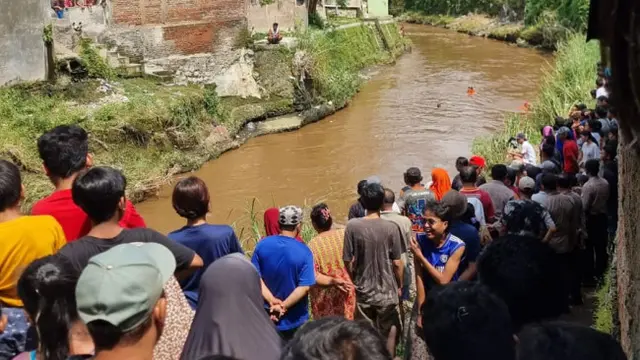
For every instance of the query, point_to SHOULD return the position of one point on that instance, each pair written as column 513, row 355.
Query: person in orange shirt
column 440, row 182
column 24, row 239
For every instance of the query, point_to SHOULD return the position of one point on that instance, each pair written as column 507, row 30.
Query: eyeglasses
column 432, row 221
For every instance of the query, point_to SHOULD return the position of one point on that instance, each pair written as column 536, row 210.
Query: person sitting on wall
column 274, row 36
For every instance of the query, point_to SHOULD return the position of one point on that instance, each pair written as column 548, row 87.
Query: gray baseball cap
column 122, row 285
column 526, row 183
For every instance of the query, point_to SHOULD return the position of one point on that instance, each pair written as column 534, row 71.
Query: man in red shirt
column 64, row 151
column 570, row 152
column 469, row 176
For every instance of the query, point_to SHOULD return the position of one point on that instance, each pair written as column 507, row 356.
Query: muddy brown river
column 392, row 124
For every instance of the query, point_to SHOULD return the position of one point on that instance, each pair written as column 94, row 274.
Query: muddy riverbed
column 414, row 113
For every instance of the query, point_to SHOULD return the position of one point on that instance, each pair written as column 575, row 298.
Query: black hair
column 464, row 320
column 441, row 211
column 550, row 140
column 190, row 198
column 595, row 125
column 469, row 216
column 361, row 185
column 523, row 271
column 548, row 150
column 64, row 150
column 559, row 340
column 601, row 112
column 563, row 181
column 612, row 110
column 389, row 196
column 412, row 176
column 599, row 82
column 468, row 175
column 287, row 227
column 573, row 180
column 321, row 217
column 610, row 149
column 462, row 161
column 98, row 192
column 499, row 172
column 335, row 338
column 512, row 174
column 560, row 121
column 549, row 182
column 592, row 167
column 593, row 93
column 581, row 106
column 602, row 98
column 107, row 336
column 47, row 289
column 10, row 185
column 372, row 197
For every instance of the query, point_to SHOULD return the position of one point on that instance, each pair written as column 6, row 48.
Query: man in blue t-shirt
column 287, row 271
column 457, row 204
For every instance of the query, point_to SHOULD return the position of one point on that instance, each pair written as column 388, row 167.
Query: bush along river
column 414, row 113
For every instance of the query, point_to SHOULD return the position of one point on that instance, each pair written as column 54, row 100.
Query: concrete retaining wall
column 23, row 55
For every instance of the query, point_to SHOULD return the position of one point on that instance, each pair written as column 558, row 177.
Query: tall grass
column 567, row 82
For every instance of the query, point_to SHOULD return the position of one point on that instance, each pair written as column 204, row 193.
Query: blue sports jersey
column 438, row 257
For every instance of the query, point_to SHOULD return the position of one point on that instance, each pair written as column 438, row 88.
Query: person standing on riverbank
column 480, row 164
column 64, row 151
column 414, row 199
column 497, row 189
column 570, row 152
column 286, row 268
column 477, row 197
column 440, row 182
column 333, row 294
column 595, row 195
column 372, row 255
column 24, row 239
column 190, row 200
column 357, row 210
column 461, row 162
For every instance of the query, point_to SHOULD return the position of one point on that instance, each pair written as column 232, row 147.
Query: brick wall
column 177, row 27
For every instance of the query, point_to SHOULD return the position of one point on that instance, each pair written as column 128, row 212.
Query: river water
column 414, row 113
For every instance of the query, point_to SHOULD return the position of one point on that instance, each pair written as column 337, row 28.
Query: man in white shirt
column 528, row 153
column 601, row 89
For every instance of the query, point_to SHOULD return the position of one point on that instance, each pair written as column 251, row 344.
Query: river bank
column 152, row 130
column 544, row 35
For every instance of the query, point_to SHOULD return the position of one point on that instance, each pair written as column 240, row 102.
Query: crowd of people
column 446, row 269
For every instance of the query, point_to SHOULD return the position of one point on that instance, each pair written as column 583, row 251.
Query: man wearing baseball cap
column 525, row 216
column 286, row 268
column 120, row 298
column 527, row 152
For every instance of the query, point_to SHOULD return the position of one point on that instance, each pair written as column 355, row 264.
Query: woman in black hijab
column 230, row 319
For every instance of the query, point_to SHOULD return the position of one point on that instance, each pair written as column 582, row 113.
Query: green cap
column 122, row 285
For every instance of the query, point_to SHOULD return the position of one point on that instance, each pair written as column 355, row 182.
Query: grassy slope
column 566, row 83
column 161, row 130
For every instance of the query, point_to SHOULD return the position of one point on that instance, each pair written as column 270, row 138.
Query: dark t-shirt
column 80, row 251
column 356, row 211
column 471, row 237
column 372, row 245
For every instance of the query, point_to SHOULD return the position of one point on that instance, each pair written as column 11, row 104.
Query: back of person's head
column 595, row 125
column 564, row 181
column 99, row 192
column 412, row 176
column 468, row 175
column 593, row 93
column 64, row 150
column 612, row 112
column 372, row 197
column 47, row 289
column 464, row 320
column 592, row 167
column 389, row 197
column 548, row 150
column 601, row 112
column 512, row 174
column 550, row 140
column 10, row 185
column 335, row 338
column 610, row 151
column 566, row 341
column 321, row 217
column 190, row 198
column 499, row 172
column 461, row 162
column 120, row 294
column 549, row 182
column 599, row 82
column 361, row 185
column 523, row 272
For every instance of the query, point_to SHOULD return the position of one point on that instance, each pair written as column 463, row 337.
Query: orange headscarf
column 441, row 183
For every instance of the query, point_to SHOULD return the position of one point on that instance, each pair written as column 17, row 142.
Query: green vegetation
column 96, row 66
column 603, row 316
column 568, row 82
column 333, row 59
column 571, row 14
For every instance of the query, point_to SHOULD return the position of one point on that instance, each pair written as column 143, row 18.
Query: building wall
column 285, row 12
column 23, row 55
column 153, row 29
column 378, row 8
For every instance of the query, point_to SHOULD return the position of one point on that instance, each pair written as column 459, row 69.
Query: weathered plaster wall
column 285, row 12
column 377, row 8
column 23, row 55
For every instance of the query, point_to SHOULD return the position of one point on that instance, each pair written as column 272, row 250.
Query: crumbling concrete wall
column 23, row 55
column 287, row 13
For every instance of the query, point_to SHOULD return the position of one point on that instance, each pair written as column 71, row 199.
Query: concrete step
column 131, row 70
column 279, row 124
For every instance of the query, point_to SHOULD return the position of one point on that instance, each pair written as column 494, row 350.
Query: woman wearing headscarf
column 440, row 182
column 231, row 319
column 272, row 223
